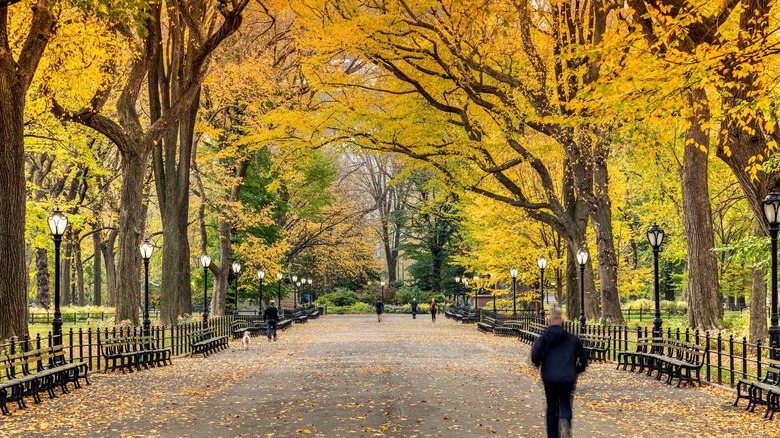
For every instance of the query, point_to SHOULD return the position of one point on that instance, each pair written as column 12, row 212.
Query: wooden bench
column 633, row 358
column 471, row 317
column 206, row 341
column 596, row 346
column 761, row 392
column 30, row 372
column 284, row 322
column 530, row 331
column 299, row 317
column 311, row 312
column 508, row 328
column 455, row 312
column 128, row 352
column 489, row 324
column 676, row 359
column 238, row 328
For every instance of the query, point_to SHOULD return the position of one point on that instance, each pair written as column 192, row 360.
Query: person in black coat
column 562, row 358
column 271, row 316
column 380, row 308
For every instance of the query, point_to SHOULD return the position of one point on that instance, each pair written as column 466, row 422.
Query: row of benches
column 675, row 358
column 464, row 314
column 763, row 392
column 28, row 373
column 299, row 316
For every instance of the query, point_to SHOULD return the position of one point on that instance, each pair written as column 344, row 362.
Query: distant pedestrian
column 380, row 309
column 414, row 308
column 562, row 358
column 271, row 316
column 434, row 309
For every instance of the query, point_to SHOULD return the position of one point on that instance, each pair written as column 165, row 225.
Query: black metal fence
column 81, row 344
column 726, row 360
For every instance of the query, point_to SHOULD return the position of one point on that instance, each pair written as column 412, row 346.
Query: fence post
column 707, row 340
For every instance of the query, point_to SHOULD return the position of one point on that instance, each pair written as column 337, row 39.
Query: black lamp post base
column 582, row 324
column 774, row 341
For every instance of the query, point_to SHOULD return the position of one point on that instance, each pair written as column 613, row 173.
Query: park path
column 349, row 376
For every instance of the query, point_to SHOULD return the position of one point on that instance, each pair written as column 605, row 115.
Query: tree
column 17, row 69
column 135, row 141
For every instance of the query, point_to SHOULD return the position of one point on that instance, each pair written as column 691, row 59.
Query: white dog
column 245, row 340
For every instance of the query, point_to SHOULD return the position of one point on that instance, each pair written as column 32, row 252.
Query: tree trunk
column 107, row 249
column 97, row 298
column 79, row 271
column 758, row 308
column 66, row 276
column 43, row 298
column 130, row 235
column 437, row 260
column 219, row 292
column 704, row 306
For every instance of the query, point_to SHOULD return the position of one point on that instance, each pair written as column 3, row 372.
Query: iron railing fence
column 81, row 344
column 727, row 358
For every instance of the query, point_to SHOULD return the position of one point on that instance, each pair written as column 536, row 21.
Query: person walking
column 414, row 308
column 434, row 309
column 380, row 308
column 271, row 316
column 562, row 358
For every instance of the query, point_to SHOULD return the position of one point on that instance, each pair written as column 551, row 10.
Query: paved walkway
column 349, row 376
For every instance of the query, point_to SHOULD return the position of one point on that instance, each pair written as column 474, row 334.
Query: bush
column 674, row 307
column 339, row 298
column 641, row 303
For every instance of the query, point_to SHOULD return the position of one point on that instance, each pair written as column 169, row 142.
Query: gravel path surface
column 349, row 376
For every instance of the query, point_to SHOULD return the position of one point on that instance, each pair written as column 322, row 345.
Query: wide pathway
column 349, row 376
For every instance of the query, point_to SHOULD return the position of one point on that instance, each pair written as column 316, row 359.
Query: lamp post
column 457, row 286
column 295, row 285
column 205, row 260
column 513, row 273
column 465, row 282
column 311, row 293
column 260, row 276
column 57, row 224
column 279, row 277
column 146, row 254
column 582, row 258
column 236, row 267
column 382, row 283
column 771, row 211
column 476, row 290
column 656, row 236
column 542, row 263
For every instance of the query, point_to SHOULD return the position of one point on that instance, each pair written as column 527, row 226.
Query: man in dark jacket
column 562, row 358
column 271, row 316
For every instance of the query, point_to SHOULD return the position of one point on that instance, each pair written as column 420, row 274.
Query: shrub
column 641, row 303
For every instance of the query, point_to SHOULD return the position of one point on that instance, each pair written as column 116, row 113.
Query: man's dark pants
column 558, row 406
column 271, row 328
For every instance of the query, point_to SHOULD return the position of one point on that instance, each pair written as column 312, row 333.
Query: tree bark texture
column 108, row 249
column 97, row 295
column 43, row 298
column 758, row 293
column 78, row 267
column 704, row 301
column 15, row 78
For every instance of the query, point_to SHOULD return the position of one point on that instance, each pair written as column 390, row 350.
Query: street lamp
column 146, row 254
column 382, row 283
column 542, row 263
column 513, row 273
column 236, row 267
column 582, row 258
column 311, row 294
column 476, row 290
column 302, row 293
column 295, row 290
column 465, row 290
column 279, row 277
column 771, row 211
column 656, row 236
column 57, row 224
column 457, row 285
column 261, row 276
column 205, row 260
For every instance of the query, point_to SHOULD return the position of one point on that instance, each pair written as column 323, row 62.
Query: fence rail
column 726, row 360
column 81, row 345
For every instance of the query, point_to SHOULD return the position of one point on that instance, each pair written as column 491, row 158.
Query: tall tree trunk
column 219, row 290
column 66, row 269
column 602, row 224
column 43, row 298
column 78, row 266
column 130, row 235
column 15, row 78
column 704, row 305
column 437, row 258
column 758, row 309
column 97, row 298
column 108, row 250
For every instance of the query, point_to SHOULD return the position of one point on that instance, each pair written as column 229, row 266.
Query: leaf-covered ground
column 349, row 376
